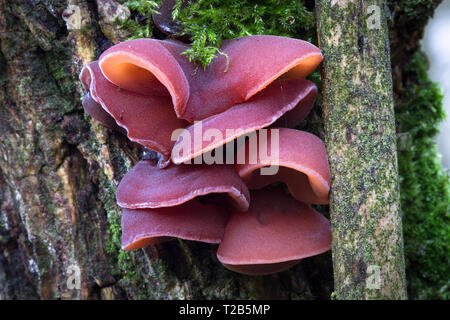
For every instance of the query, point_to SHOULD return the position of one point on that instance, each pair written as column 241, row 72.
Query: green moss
column 209, row 22
column 415, row 9
column 140, row 24
column 425, row 187
column 124, row 266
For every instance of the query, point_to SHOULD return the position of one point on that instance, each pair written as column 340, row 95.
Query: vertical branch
column 361, row 142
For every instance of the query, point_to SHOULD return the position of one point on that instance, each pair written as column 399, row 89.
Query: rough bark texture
column 59, row 170
column 361, row 143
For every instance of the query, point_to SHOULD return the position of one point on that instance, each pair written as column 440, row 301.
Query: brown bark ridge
column 59, row 170
column 361, row 142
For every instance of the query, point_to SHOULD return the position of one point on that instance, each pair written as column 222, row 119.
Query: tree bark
column 59, row 170
column 361, row 142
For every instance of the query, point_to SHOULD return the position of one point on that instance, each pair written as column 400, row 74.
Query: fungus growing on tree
column 150, row 66
column 147, row 186
column 178, row 201
column 149, row 88
column 149, row 120
column 274, row 234
column 258, row 112
column 189, row 221
column 302, row 165
column 95, row 110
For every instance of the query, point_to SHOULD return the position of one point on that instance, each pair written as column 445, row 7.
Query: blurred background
column 436, row 44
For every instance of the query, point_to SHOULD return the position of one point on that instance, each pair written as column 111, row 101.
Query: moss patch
column 425, row 187
column 125, row 267
column 209, row 22
column 140, row 24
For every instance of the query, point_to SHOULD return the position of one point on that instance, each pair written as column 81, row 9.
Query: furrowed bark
column 361, row 142
column 59, row 170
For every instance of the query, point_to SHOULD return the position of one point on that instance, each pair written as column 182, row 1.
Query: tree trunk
column 59, row 170
column 361, row 143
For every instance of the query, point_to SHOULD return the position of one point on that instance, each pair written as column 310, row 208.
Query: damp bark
column 59, row 170
column 360, row 137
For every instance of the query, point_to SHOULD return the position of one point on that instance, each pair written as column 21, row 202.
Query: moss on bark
column 361, row 143
column 424, row 185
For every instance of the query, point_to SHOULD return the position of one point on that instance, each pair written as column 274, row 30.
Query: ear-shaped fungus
column 273, row 235
column 190, row 221
column 302, row 161
column 149, row 120
column 150, row 88
column 146, row 186
column 295, row 116
column 251, row 66
column 145, row 66
column 164, row 203
column 148, row 65
column 258, row 112
column 96, row 111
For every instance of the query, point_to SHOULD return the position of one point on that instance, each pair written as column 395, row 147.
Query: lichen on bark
column 361, row 144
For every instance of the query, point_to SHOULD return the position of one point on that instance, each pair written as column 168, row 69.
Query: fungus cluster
column 254, row 93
